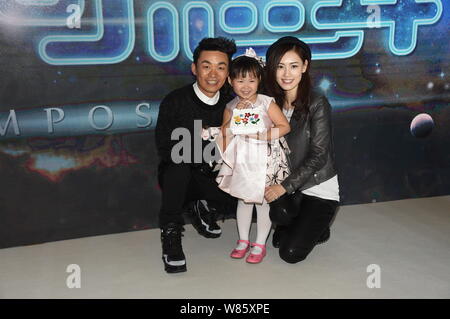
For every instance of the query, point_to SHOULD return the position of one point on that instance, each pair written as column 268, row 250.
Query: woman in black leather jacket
column 304, row 204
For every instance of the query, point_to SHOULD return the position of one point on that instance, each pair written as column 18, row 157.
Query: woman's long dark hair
column 301, row 102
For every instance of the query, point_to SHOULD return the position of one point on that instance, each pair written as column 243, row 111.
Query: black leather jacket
column 311, row 143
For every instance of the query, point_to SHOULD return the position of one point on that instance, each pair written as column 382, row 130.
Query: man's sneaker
column 172, row 251
column 203, row 218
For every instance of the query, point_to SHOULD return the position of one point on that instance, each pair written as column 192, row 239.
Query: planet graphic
column 422, row 125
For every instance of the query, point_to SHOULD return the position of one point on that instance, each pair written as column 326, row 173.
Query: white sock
column 256, row 250
column 263, row 224
column 241, row 246
column 244, row 220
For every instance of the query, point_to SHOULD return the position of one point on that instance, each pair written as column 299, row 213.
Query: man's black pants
column 184, row 183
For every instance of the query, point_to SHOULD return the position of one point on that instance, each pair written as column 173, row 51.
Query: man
column 188, row 181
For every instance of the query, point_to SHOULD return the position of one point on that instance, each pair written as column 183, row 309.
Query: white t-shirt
column 326, row 190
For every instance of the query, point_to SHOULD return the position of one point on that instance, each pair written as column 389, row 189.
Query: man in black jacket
column 185, row 177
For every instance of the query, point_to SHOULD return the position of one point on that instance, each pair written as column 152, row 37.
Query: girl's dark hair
column 244, row 65
column 301, row 103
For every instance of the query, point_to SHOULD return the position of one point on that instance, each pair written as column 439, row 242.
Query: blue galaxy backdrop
column 81, row 82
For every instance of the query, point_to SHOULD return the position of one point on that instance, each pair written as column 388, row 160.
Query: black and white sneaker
column 172, row 251
column 203, row 218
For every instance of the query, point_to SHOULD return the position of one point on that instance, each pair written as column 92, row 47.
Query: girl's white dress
column 249, row 165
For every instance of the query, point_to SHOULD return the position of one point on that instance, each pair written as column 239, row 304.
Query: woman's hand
column 274, row 192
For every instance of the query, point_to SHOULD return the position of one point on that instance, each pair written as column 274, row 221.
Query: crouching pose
column 187, row 182
column 304, row 204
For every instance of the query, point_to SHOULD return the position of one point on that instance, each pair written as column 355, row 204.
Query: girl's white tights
column 244, row 221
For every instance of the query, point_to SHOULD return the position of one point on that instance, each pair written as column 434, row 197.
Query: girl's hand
column 253, row 136
column 243, row 104
column 210, row 133
column 274, row 192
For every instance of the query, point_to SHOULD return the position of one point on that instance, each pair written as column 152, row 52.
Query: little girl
column 253, row 161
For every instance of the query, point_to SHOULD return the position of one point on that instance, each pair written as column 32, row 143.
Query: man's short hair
column 221, row 44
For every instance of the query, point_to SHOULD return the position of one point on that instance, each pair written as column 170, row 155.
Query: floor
column 400, row 249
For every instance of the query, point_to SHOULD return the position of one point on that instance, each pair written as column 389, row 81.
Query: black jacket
column 311, row 142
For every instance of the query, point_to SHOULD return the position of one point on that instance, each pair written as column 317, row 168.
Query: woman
column 304, row 204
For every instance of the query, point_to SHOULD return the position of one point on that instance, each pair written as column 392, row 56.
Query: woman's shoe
column 240, row 253
column 324, row 237
column 277, row 235
column 257, row 258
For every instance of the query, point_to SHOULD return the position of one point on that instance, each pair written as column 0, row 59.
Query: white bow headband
column 252, row 54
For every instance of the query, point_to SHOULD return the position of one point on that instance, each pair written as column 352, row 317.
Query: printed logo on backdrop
column 173, row 29
column 99, row 32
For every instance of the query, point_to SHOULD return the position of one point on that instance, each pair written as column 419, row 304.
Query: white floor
column 409, row 240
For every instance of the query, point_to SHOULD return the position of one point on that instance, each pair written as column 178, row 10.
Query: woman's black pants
column 302, row 220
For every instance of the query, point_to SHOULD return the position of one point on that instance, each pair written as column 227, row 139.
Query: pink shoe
column 256, row 258
column 241, row 252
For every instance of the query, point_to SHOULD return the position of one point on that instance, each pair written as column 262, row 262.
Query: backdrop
column 81, row 83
